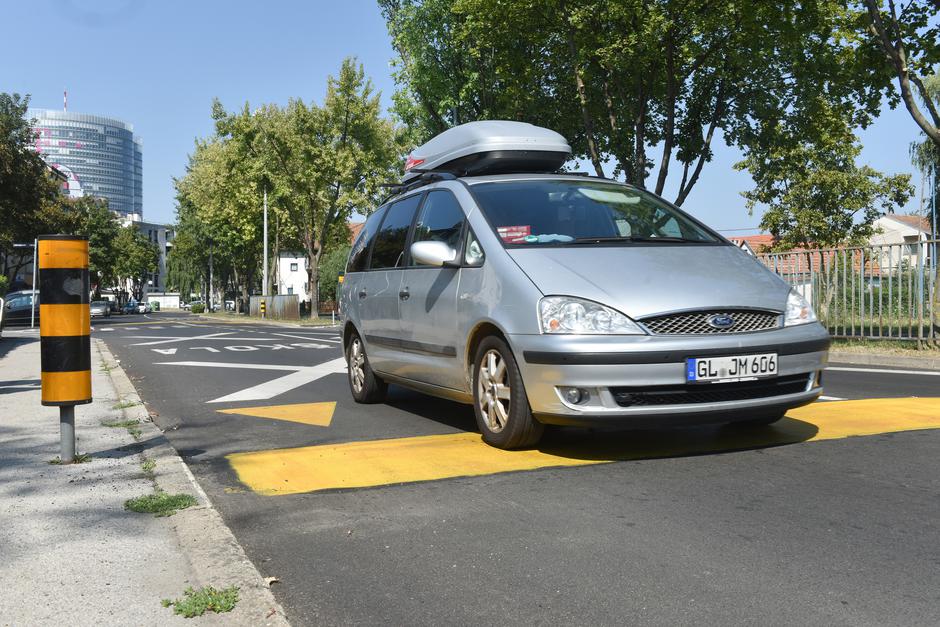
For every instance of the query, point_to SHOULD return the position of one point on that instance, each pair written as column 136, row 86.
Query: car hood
column 641, row 280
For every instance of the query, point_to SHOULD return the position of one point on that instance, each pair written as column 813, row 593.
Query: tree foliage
column 25, row 184
column 814, row 193
column 134, row 257
column 318, row 162
column 907, row 35
column 633, row 84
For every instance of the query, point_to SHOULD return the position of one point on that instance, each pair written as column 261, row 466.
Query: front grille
column 690, row 394
column 697, row 322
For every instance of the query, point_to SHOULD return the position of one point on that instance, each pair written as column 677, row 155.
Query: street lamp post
column 266, row 287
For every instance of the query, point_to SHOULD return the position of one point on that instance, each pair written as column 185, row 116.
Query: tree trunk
column 593, row 152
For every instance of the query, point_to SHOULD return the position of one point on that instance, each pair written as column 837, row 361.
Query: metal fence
column 886, row 292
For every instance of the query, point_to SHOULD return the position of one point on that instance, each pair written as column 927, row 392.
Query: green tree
column 634, row 85
column 135, row 256
column 908, row 40
column 221, row 202
column 331, row 266
column 319, row 163
column 814, row 193
column 25, row 183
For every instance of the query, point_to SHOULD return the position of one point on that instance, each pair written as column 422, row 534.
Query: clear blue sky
column 158, row 65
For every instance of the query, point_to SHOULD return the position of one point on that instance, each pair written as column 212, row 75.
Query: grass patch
column 80, row 458
column 160, row 503
column 135, row 432
column 206, row 599
column 120, row 424
column 148, row 466
column 124, row 405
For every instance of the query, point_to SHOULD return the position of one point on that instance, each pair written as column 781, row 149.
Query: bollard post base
column 67, row 433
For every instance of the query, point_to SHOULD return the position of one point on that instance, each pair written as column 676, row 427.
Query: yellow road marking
column 426, row 458
column 319, row 414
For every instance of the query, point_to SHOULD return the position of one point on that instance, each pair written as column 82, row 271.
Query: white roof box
column 490, row 147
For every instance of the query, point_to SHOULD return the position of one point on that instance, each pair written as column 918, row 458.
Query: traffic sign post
column 65, row 330
column 263, row 307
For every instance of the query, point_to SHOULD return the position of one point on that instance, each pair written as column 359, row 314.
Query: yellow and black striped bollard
column 65, row 330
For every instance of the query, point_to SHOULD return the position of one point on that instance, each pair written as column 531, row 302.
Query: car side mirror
column 436, row 254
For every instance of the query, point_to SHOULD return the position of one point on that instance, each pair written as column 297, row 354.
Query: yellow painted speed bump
column 426, row 458
column 318, row 414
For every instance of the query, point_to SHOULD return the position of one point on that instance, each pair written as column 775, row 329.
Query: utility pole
column 266, row 289
column 209, row 298
column 35, row 295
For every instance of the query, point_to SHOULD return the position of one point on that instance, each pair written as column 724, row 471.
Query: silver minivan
column 541, row 297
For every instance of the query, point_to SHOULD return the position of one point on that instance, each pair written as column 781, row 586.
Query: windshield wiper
column 631, row 238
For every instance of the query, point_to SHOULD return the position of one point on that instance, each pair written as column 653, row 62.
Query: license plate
column 730, row 369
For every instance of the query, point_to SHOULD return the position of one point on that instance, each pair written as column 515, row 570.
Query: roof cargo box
column 490, row 147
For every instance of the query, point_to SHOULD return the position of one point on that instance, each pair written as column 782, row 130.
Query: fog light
column 575, row 395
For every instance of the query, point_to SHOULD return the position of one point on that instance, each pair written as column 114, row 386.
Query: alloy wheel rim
column 493, row 392
column 357, row 360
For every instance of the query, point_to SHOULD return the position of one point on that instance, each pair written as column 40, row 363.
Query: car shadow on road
column 618, row 444
column 8, row 343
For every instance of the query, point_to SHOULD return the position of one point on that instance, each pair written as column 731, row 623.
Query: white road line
column 927, row 373
column 832, row 398
column 301, row 375
column 318, row 338
column 107, row 329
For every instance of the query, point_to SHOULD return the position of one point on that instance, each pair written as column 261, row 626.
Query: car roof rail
column 426, row 178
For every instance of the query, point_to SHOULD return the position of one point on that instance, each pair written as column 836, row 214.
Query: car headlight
column 566, row 314
column 798, row 310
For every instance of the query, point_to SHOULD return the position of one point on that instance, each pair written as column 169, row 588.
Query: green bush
column 4, row 285
column 198, row 308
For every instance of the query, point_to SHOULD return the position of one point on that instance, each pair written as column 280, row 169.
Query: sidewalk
column 882, row 359
column 71, row 553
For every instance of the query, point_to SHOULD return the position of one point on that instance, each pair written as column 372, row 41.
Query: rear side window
column 441, row 220
column 389, row 249
column 359, row 254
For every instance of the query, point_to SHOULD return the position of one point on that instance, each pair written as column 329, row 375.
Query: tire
column 759, row 421
column 364, row 385
column 500, row 403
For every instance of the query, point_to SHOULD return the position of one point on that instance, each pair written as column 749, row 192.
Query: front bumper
column 607, row 366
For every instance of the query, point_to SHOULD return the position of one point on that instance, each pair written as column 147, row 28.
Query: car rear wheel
column 500, row 403
column 365, row 386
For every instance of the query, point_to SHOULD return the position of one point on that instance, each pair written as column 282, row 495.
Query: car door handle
column 362, row 294
column 404, row 294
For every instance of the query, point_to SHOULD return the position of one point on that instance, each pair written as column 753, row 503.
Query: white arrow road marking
column 169, row 340
column 299, row 376
column 164, row 351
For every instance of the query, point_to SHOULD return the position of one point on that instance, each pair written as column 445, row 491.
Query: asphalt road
column 831, row 518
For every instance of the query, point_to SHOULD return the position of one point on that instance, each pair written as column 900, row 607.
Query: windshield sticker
column 514, row 234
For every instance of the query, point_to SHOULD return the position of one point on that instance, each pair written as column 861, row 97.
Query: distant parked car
column 143, row 308
column 18, row 308
column 100, row 308
column 130, row 307
column 113, row 307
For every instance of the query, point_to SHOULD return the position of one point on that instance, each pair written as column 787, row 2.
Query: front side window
column 571, row 212
column 389, row 249
column 441, row 220
column 359, row 254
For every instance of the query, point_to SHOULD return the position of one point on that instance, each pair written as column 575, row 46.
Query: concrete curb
column 206, row 541
column 880, row 359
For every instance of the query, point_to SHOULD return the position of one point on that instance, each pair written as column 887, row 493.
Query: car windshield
column 572, row 212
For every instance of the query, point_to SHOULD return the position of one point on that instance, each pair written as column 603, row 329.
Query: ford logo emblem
column 721, row 321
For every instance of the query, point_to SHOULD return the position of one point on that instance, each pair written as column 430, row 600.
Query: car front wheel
column 500, row 402
column 365, row 386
